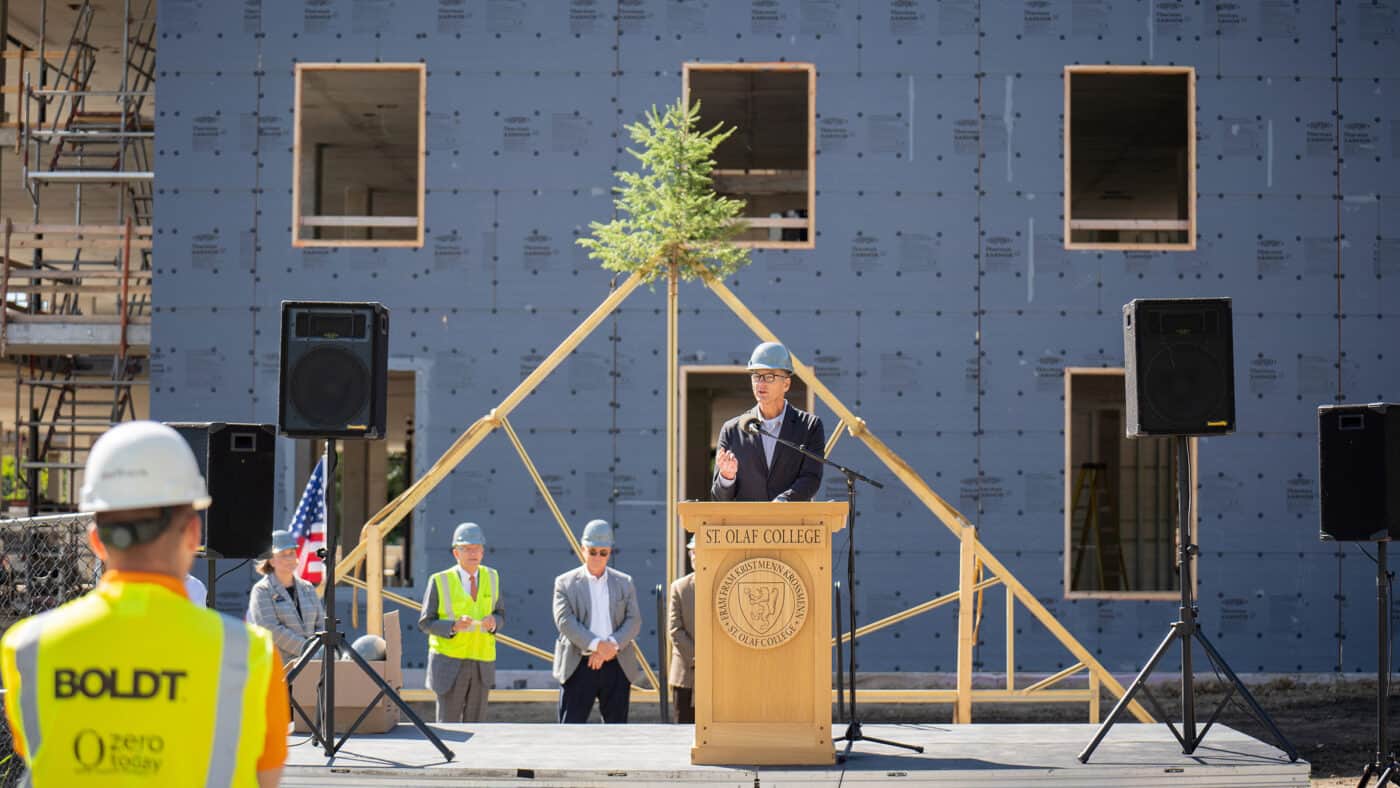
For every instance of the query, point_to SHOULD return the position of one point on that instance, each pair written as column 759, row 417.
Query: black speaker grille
column 329, row 386
column 1183, row 384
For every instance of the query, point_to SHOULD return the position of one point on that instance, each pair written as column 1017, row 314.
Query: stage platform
column 500, row 754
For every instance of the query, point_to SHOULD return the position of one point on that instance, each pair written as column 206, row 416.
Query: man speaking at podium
column 751, row 465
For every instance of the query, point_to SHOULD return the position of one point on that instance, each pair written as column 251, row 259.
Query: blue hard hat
column 468, row 533
column 771, row 355
column 282, row 539
column 598, row 533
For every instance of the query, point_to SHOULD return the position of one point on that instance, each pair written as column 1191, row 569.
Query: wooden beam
column 80, row 289
column 107, row 244
column 1129, row 224
column 359, row 221
column 142, row 230
column 967, row 614
column 950, row 517
column 395, row 511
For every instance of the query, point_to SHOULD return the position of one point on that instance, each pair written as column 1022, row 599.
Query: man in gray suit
column 596, row 611
column 750, row 466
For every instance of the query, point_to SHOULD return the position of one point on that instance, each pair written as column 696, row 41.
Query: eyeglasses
column 767, row 377
column 601, row 552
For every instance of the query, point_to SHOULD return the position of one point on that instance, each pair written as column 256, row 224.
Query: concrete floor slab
column 498, row 754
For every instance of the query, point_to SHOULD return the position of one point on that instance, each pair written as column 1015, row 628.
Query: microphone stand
column 853, row 732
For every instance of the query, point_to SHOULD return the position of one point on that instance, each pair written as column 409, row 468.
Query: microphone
column 749, row 423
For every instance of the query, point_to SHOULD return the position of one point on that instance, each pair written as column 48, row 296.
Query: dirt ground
column 1331, row 723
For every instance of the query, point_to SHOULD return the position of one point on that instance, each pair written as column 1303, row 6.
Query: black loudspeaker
column 335, row 362
column 1358, row 459
column 239, row 464
column 1179, row 359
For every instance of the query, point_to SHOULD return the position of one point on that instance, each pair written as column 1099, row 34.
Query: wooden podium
column 763, row 631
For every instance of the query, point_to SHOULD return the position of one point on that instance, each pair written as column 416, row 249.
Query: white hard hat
column 141, row 465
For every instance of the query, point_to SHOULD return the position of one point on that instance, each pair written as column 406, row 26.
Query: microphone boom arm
column 754, row 427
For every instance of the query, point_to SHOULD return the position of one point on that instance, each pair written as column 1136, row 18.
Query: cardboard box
column 354, row 690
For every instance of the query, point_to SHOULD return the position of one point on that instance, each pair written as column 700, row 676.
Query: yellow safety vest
column 133, row 685
column 454, row 602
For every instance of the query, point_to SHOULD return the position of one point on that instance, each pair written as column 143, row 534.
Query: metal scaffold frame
column 75, row 296
column 979, row 569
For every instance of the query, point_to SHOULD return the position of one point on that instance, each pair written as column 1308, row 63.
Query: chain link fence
column 11, row 768
column 44, row 562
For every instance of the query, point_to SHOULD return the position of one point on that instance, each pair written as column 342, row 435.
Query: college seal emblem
column 761, row 603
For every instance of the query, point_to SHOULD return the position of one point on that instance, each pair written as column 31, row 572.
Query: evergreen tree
column 668, row 212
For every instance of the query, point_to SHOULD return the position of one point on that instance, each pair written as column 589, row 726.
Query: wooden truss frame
column 978, row 570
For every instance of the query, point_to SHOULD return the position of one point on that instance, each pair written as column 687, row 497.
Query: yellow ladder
column 1108, row 545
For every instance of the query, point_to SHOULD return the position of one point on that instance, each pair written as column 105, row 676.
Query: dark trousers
column 608, row 685
column 683, row 699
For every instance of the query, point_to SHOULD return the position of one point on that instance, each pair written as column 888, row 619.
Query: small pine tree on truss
column 669, row 218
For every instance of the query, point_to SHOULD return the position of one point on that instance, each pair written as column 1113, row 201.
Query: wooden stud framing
column 967, row 560
column 374, row 582
column 1010, row 641
column 422, row 109
column 673, row 537
column 971, row 550
column 809, row 223
column 1070, row 593
column 1189, row 224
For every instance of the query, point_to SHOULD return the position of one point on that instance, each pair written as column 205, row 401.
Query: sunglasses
column 767, row 377
column 601, row 552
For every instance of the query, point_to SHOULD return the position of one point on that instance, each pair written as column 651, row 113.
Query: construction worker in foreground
column 132, row 683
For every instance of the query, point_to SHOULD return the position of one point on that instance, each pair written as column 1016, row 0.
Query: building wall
column 939, row 302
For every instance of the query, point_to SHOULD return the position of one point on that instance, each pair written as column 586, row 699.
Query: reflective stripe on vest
column 228, row 714
column 27, row 663
column 454, row 602
column 131, row 683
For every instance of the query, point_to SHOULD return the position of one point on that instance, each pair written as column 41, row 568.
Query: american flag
column 309, row 525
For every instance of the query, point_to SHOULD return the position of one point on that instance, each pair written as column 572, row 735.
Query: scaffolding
column 76, row 294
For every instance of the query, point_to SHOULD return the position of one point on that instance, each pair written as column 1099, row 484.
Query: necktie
column 473, row 579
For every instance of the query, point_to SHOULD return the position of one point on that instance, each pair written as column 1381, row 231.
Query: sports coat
column 572, row 607
column 680, row 614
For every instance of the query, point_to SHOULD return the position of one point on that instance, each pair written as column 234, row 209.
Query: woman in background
column 283, row 603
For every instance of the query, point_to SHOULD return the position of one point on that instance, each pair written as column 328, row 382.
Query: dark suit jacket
column 793, row 477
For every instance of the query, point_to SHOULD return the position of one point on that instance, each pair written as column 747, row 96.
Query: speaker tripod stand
column 1185, row 629
column 1384, row 765
column 331, row 641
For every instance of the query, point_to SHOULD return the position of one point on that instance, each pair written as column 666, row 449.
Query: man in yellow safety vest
column 462, row 611
column 133, row 684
